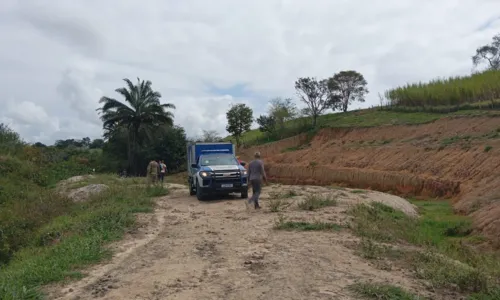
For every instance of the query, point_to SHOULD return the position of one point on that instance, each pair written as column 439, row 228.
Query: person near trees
column 152, row 172
column 163, row 170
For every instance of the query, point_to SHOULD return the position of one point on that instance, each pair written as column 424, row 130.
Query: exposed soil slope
column 455, row 157
column 190, row 249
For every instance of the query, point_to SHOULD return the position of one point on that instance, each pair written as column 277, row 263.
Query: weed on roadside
column 487, row 148
column 444, row 272
column 278, row 204
column 156, row 191
column 313, row 202
column 283, row 195
column 359, row 191
column 380, row 291
column 282, row 224
column 72, row 240
column 371, row 250
column 449, row 261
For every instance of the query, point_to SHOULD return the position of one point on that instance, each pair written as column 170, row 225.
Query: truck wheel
column 192, row 188
column 199, row 194
column 244, row 194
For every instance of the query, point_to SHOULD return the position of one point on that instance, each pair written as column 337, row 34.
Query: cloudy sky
column 58, row 57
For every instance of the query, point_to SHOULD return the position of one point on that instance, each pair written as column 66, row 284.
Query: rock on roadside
column 84, row 193
column 74, row 179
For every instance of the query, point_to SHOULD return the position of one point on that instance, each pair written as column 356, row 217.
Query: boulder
column 84, row 193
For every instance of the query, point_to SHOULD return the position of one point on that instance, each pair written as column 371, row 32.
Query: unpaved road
column 220, row 250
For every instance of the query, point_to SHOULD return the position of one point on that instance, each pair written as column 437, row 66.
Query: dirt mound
column 456, row 158
column 84, row 193
column 345, row 196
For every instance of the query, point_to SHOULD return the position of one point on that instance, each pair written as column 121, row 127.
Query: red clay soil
column 456, row 158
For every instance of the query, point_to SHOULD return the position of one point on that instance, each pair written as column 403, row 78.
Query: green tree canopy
column 239, row 120
column 140, row 113
column 346, row 87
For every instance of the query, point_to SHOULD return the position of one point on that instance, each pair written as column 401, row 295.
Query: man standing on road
column 163, row 170
column 152, row 172
column 256, row 175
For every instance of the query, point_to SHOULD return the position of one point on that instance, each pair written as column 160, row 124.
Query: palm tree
column 138, row 115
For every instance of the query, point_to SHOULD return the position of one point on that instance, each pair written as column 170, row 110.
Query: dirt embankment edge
column 447, row 158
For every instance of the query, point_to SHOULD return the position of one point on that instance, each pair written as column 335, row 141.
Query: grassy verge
column 448, row 260
column 179, row 178
column 74, row 239
column 283, row 224
column 314, row 202
column 382, row 292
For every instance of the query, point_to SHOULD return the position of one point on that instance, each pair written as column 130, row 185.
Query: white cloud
column 59, row 57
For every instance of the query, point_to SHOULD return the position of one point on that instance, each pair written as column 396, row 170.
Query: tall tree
column 315, row 95
column 210, row 136
column 239, row 119
column 282, row 110
column 96, row 144
column 140, row 113
column 86, row 142
column 489, row 53
column 348, row 86
column 266, row 124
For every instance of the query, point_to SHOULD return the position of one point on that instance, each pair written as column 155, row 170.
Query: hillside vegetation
column 44, row 235
column 480, row 90
column 372, row 117
column 420, row 103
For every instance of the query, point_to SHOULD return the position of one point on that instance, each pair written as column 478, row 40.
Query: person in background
column 256, row 176
column 163, row 170
column 152, row 172
column 239, row 160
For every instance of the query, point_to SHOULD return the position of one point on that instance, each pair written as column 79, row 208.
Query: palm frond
column 168, row 105
column 113, row 104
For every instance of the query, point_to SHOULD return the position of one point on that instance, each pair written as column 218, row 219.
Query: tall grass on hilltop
column 452, row 92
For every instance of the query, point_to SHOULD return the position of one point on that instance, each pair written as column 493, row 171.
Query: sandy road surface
column 190, row 249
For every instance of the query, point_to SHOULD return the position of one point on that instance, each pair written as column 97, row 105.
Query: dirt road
column 190, row 249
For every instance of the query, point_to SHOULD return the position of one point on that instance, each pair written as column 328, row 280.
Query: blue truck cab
column 214, row 169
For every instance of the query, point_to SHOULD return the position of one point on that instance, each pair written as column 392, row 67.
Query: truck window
column 215, row 160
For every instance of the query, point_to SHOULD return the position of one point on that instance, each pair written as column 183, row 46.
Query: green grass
column 74, row 239
column 359, row 191
column 282, row 224
column 314, row 202
column 449, row 259
column 380, row 291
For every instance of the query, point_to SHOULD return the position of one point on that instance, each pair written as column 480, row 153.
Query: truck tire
column 199, row 194
column 192, row 189
column 244, row 194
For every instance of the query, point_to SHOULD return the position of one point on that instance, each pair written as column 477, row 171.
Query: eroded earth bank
column 456, row 158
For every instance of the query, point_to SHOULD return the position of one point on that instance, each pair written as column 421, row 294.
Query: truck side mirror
column 194, row 166
column 243, row 163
